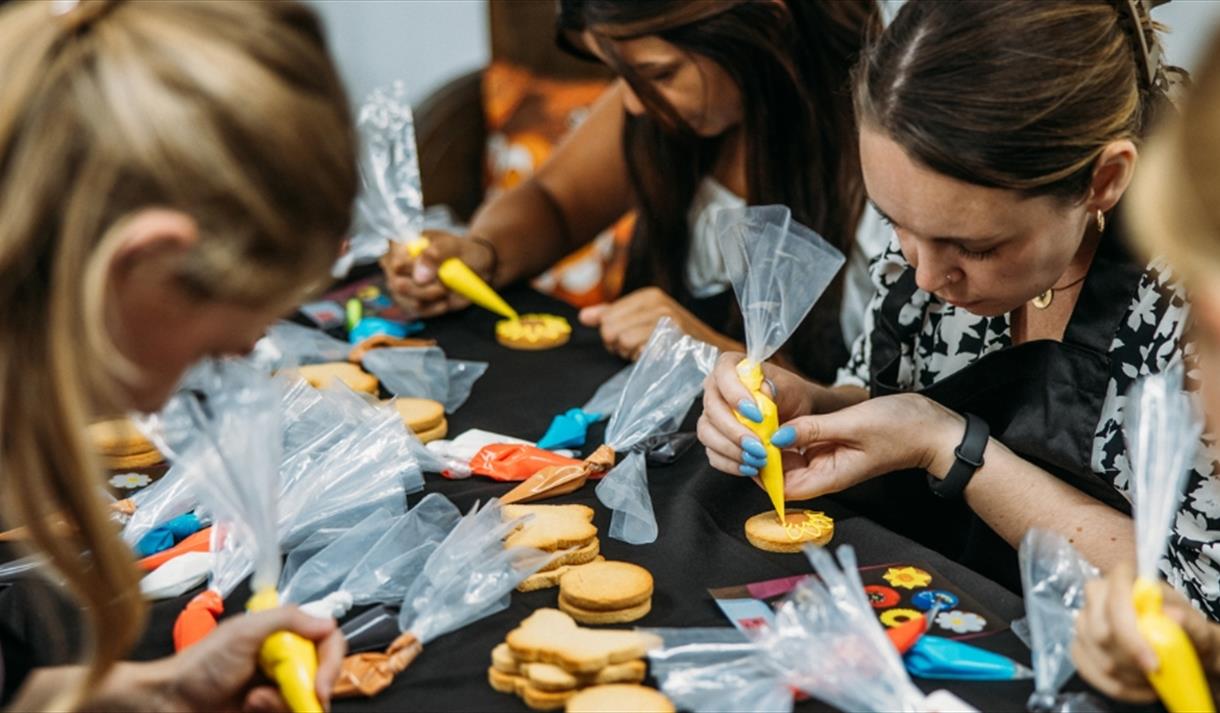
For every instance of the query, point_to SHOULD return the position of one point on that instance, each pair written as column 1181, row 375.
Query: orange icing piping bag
column 772, row 473
column 197, row 619
column 288, row 659
column 457, row 276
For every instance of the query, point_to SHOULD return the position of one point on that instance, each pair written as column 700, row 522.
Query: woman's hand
column 1108, row 650
column 830, row 452
column 413, row 281
column 221, row 672
column 626, row 323
column 731, row 447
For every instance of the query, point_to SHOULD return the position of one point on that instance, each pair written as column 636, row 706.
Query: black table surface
column 701, row 514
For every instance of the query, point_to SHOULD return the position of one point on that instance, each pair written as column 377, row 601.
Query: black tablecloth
column 700, row 511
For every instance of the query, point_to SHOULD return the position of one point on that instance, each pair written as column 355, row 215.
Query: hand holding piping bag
column 236, row 417
column 1162, row 437
column 779, row 269
column 458, row 277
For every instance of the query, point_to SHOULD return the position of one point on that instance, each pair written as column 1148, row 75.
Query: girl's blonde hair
column 1174, row 202
column 228, row 111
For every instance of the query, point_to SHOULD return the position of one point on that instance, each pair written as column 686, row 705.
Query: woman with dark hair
column 998, row 138
column 719, row 102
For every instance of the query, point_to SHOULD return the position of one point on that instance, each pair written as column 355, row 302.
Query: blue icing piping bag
column 941, row 658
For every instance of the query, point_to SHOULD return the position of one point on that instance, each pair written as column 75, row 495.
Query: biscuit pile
column 122, row 446
column 606, row 593
column 425, row 418
column 552, row 528
column 551, row 662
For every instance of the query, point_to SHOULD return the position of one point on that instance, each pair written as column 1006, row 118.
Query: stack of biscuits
column 549, row 660
column 425, row 418
column 122, row 446
column 606, row 593
column 552, row 528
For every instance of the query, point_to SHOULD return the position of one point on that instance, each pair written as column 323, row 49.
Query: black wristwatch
column 969, row 458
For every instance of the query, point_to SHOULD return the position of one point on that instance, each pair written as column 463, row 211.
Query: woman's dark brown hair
column 1020, row 95
column 792, row 62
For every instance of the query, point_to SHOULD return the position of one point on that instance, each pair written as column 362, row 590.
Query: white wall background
column 427, row 42
column 422, row 42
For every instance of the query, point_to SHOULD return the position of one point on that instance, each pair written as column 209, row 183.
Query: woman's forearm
column 1013, row 495
column 527, row 229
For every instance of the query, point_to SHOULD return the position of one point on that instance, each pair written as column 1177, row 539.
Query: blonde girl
column 1175, row 212
column 173, row 176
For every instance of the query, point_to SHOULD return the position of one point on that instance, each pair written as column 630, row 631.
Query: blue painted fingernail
column 754, row 447
column 750, row 459
column 784, row 437
column 748, row 470
column 749, row 409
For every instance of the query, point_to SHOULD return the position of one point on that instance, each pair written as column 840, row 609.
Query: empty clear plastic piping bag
column 1053, row 577
column 391, row 200
column 655, row 398
column 371, row 562
column 468, row 576
column 1162, row 431
column 779, row 269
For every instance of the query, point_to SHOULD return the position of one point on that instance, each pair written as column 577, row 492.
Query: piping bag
column 458, row 277
column 233, row 412
column 1162, row 434
column 469, row 575
column 779, row 269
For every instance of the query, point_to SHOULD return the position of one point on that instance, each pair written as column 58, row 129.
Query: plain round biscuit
column 118, row 437
column 764, row 531
column 561, row 333
column 503, row 682
column 595, row 618
column 434, row 434
column 502, row 660
column 135, row 462
column 620, row 698
column 544, row 700
column 320, row 376
column 420, row 414
column 607, row 586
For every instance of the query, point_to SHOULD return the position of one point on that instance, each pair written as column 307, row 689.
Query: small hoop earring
column 1101, row 221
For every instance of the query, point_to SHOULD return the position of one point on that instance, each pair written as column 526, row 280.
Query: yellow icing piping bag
column 457, row 276
column 772, row 473
column 1179, row 678
column 288, row 659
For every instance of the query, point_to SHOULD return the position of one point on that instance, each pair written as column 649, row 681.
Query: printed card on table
column 898, row 593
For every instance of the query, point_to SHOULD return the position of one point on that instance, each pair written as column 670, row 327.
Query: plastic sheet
column 605, row 400
column 779, row 269
column 1053, row 577
column 322, row 573
column 468, row 576
column 655, row 398
column 826, row 641
column 287, row 345
column 424, row 372
column 390, row 204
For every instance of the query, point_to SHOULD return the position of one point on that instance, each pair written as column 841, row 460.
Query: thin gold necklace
column 1045, row 299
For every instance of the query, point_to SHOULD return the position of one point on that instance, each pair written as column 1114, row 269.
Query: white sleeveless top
column 706, row 275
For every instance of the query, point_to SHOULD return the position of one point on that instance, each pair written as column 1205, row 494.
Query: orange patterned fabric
column 526, row 116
